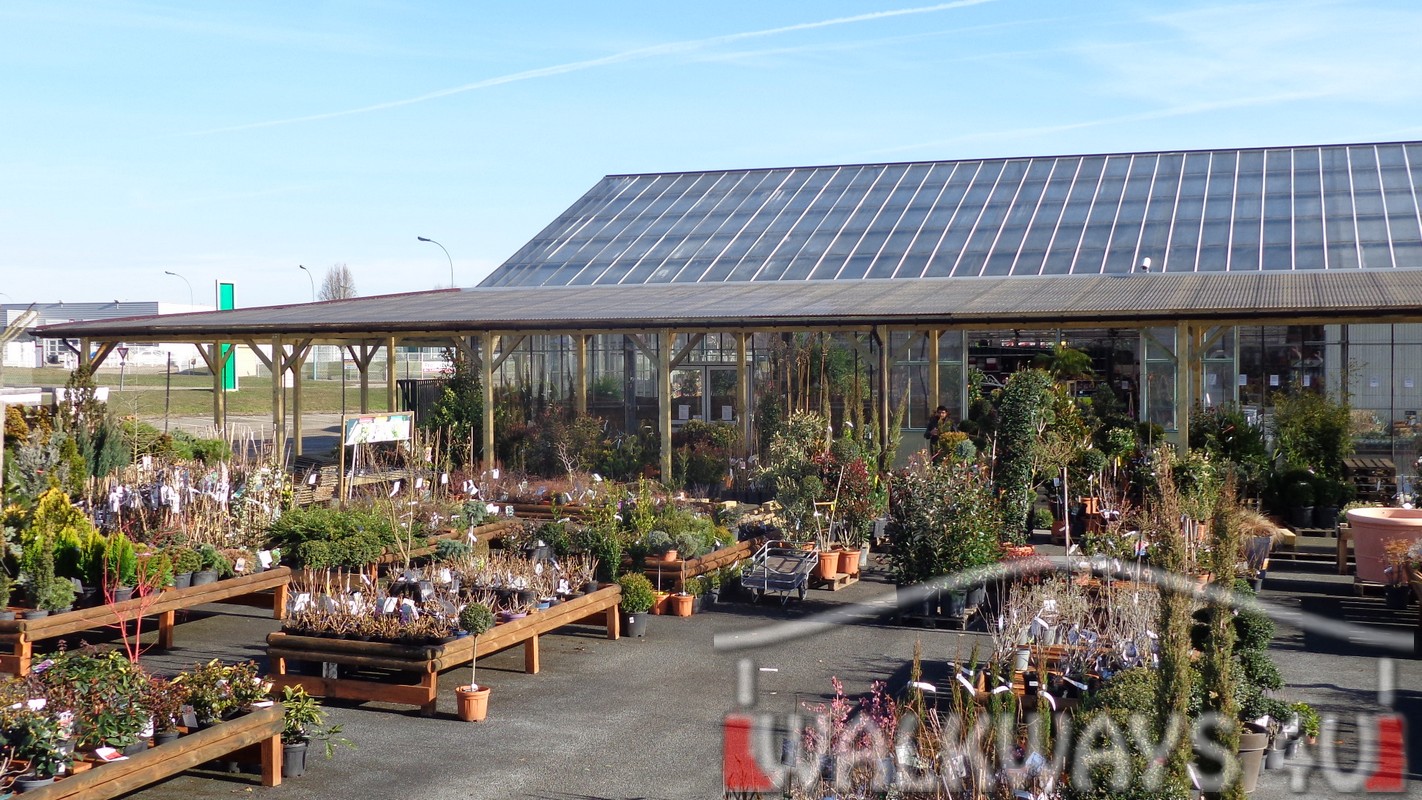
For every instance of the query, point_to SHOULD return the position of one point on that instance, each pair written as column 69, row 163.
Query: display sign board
column 374, row 428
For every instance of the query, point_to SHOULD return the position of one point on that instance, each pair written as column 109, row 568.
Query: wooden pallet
column 934, row 621
column 840, row 580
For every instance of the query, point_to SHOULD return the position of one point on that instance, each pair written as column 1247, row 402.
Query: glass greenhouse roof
column 1295, row 208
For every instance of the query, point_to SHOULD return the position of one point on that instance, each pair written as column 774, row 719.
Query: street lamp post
column 185, row 280
column 310, row 279
column 315, row 349
column 446, row 255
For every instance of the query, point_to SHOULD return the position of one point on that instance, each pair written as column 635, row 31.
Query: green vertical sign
column 226, row 302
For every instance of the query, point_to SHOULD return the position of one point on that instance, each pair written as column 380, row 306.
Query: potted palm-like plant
column 474, row 699
column 38, row 739
column 303, row 720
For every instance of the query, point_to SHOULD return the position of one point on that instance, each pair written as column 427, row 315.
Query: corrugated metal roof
column 1355, row 295
column 1231, row 210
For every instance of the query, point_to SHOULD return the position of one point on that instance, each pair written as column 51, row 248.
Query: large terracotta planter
column 680, row 605
column 829, row 565
column 849, row 562
column 1372, row 529
column 473, row 702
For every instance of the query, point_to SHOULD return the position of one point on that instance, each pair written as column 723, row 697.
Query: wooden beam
column 508, row 348
column 647, row 350
column 262, row 357
column 691, row 344
column 294, row 363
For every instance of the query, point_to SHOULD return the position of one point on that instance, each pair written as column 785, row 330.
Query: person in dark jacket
column 937, row 426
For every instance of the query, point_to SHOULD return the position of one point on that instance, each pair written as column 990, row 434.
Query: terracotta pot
column 849, row 562
column 1372, row 528
column 829, row 565
column 659, row 607
column 473, row 702
column 1251, row 758
column 670, row 555
column 680, row 605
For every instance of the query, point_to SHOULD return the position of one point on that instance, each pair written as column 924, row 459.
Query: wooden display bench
column 19, row 635
column 670, row 574
column 488, row 532
column 1344, row 553
column 381, row 665
column 259, row 730
column 543, row 512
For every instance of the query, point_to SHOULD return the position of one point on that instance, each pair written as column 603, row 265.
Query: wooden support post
column 298, row 358
column 488, row 341
column 390, row 374
column 1186, row 357
column 271, row 761
column 934, row 401
column 280, row 594
column 531, row 663
column 743, row 393
column 278, row 370
column 85, row 358
column 166, row 620
column 580, row 383
column 614, row 623
column 665, row 340
column 219, row 385
column 363, row 367
column 882, row 340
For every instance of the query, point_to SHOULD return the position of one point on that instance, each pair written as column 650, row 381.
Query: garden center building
column 1190, row 277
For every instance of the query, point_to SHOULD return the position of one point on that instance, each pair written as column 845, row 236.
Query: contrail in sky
column 670, row 48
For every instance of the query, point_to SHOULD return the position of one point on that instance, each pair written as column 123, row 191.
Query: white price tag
column 264, row 557
column 189, row 717
column 240, row 567
column 444, row 479
column 495, row 473
column 391, row 603
column 301, row 601
column 493, row 508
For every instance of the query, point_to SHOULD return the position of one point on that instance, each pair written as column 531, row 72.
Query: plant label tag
column 332, row 671
column 564, row 587
column 240, row 567
column 107, row 754
column 264, row 557
column 301, row 601
column 391, row 603
column 444, row 479
column 967, row 684
column 189, row 717
column 470, row 535
column 445, row 576
column 365, row 578
column 394, row 488
column 1001, row 689
column 508, row 511
column 148, row 462
column 1077, row 684
column 492, row 508
column 36, row 703
column 312, row 478
column 1049, row 604
column 495, row 473
column 263, row 704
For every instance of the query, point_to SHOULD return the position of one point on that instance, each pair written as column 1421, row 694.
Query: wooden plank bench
column 260, row 728
column 670, row 574
column 19, row 635
column 428, row 661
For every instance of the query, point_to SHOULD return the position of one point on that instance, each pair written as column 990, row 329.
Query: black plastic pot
column 122, row 593
column 635, row 625
column 164, row 737
column 182, row 580
column 26, row 783
column 1325, row 516
column 1397, row 596
column 204, row 577
column 955, row 604
column 137, row 747
column 1301, row 516
column 293, row 759
column 35, row 613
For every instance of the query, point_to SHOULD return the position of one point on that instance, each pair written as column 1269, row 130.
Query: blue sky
column 236, row 140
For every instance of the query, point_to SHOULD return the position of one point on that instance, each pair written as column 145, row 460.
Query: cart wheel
column 759, row 595
column 802, row 592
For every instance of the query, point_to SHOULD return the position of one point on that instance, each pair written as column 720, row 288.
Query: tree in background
column 339, row 283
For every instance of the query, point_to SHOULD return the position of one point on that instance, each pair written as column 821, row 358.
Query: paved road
column 641, row 718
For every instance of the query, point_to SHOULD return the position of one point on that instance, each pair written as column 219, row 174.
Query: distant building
column 27, row 351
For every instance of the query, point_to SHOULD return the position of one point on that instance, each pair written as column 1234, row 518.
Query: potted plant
column 1298, row 498
column 637, row 599
column 680, row 604
column 1397, row 591
column 37, row 738
column 473, row 699
column 185, row 561
column 208, row 692
column 5, row 589
column 303, row 720
column 164, row 700
column 1309, row 721
column 211, row 565
column 120, row 567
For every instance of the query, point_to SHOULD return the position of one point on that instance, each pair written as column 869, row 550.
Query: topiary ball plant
column 476, row 618
column 638, row 596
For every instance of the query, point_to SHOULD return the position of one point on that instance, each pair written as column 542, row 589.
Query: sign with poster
column 375, row 428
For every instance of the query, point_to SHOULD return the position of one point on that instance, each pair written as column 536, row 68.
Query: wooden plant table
column 488, row 532
column 260, row 728
column 669, row 574
column 19, row 635
column 428, row 661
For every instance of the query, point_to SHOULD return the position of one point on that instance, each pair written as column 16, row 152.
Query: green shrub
column 637, row 593
column 185, row 559
column 1042, row 519
column 1134, row 690
column 452, row 549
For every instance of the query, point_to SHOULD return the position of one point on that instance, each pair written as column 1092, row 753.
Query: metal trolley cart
column 780, row 567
